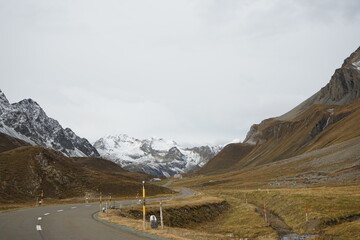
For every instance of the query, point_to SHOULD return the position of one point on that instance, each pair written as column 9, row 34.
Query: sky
column 194, row 71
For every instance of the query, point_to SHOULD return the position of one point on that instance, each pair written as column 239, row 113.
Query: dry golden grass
column 167, row 232
column 241, row 221
column 349, row 230
column 325, row 206
column 192, row 200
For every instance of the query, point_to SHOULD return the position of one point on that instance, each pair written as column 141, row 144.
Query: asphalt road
column 65, row 222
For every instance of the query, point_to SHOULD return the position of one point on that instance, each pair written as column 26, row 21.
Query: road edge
column 124, row 228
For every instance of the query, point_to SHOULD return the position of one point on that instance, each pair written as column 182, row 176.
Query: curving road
column 66, row 222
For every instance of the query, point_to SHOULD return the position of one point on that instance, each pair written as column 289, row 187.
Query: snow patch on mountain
column 11, row 132
column 356, row 65
column 155, row 156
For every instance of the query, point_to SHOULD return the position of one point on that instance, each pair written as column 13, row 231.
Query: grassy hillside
column 327, row 212
column 318, row 127
column 108, row 167
column 26, row 171
column 7, row 143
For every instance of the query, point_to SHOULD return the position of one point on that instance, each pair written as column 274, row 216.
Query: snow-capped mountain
column 27, row 121
column 154, row 156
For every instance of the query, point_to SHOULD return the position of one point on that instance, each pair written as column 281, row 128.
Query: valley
column 295, row 176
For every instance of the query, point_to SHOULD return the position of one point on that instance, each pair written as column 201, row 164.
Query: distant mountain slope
column 153, row 156
column 337, row 164
column 329, row 117
column 27, row 121
column 26, row 171
column 110, row 167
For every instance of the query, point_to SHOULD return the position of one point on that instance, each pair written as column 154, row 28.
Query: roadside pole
column 100, row 203
column 246, row 200
column 110, row 204
column 161, row 216
column 41, row 198
column 144, row 207
column 265, row 216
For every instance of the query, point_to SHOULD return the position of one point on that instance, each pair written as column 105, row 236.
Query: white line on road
column 38, row 227
column 45, row 214
column 73, row 207
column 39, row 218
column 60, row 210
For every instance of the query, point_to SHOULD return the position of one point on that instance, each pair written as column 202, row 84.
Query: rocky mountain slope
column 27, row 121
column 27, row 170
column 153, row 156
column 343, row 88
column 329, row 117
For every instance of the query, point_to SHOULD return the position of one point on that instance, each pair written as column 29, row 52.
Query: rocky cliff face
column 27, row 121
column 344, row 87
column 153, row 156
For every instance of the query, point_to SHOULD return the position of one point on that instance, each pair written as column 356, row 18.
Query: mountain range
column 26, row 171
column 317, row 140
column 27, row 121
column 155, row 156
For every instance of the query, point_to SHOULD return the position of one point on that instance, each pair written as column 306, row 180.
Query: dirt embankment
column 180, row 215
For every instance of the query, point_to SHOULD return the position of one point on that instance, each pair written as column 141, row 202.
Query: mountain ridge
column 155, row 156
column 328, row 117
column 343, row 87
column 27, row 121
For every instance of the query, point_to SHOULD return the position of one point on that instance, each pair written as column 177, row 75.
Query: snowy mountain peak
column 155, row 156
column 28, row 121
column 31, row 108
column 3, row 99
column 161, row 144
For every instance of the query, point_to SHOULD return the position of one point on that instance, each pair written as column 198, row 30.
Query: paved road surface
column 64, row 222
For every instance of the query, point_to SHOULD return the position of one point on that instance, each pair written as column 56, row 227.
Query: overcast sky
column 195, row 71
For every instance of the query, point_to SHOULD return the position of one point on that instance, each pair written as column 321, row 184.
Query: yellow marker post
column 42, row 197
column 144, row 207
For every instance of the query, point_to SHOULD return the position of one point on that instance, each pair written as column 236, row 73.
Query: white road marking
column 38, row 227
column 39, row 218
column 60, row 210
column 73, row 207
column 45, row 214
